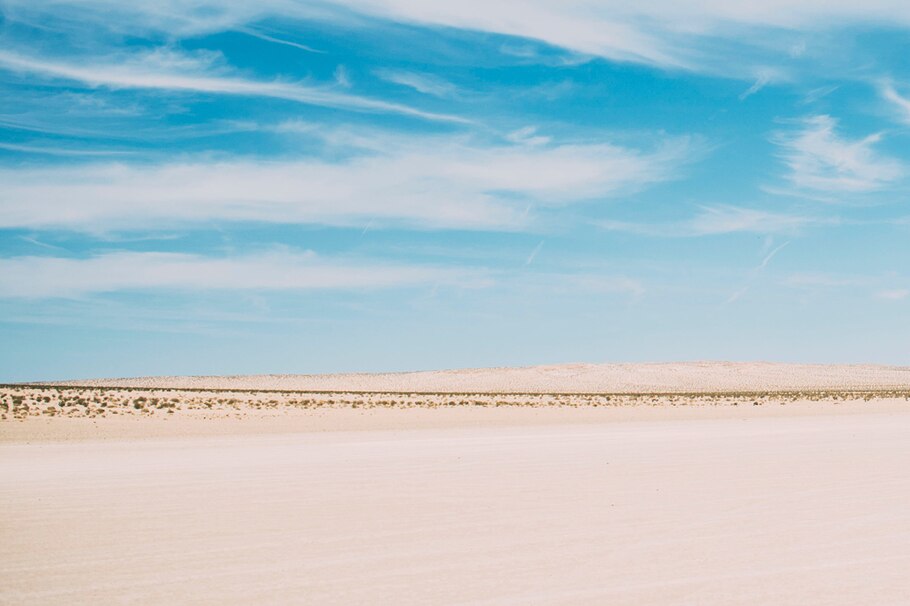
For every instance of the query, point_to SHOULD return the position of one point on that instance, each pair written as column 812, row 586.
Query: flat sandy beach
column 739, row 498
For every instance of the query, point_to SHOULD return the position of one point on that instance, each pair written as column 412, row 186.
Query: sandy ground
column 48, row 413
column 162, row 494
column 804, row 503
column 565, row 378
column 143, row 424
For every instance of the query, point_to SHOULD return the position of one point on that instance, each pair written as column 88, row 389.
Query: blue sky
column 216, row 187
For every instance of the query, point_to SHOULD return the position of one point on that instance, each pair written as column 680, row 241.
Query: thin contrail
column 534, row 253
column 770, row 255
column 742, row 291
column 267, row 38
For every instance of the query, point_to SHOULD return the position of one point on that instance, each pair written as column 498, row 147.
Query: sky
column 222, row 187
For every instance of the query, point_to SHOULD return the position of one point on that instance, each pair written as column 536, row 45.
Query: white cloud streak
column 45, row 277
column 886, row 287
column 897, row 294
column 666, row 33
column 426, row 84
column 900, row 103
column 763, row 78
column 61, row 151
column 826, row 280
column 718, row 220
column 731, row 219
column 819, row 160
column 138, row 73
column 658, row 32
column 527, row 136
column 425, row 183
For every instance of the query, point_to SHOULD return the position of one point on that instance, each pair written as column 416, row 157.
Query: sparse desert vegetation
column 19, row 402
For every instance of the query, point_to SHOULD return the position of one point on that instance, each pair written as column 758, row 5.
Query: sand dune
column 566, row 378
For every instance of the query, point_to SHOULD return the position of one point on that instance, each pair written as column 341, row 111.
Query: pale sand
column 758, row 509
column 226, row 421
column 207, row 497
column 565, row 378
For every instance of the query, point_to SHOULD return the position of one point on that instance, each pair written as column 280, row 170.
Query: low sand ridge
column 683, row 377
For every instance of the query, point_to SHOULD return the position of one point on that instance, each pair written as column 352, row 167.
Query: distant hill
column 564, row 378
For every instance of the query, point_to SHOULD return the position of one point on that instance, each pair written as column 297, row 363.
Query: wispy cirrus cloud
column 35, row 277
column 898, row 101
column 657, row 32
column 721, row 219
column 662, row 33
column 178, row 73
column 820, row 160
column 436, row 183
column 763, row 77
column 894, row 294
column 527, row 136
column 427, row 84
column 50, row 150
column 732, row 219
column 826, row 280
column 887, row 286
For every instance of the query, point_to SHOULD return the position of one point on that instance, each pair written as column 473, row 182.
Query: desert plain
column 698, row 483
